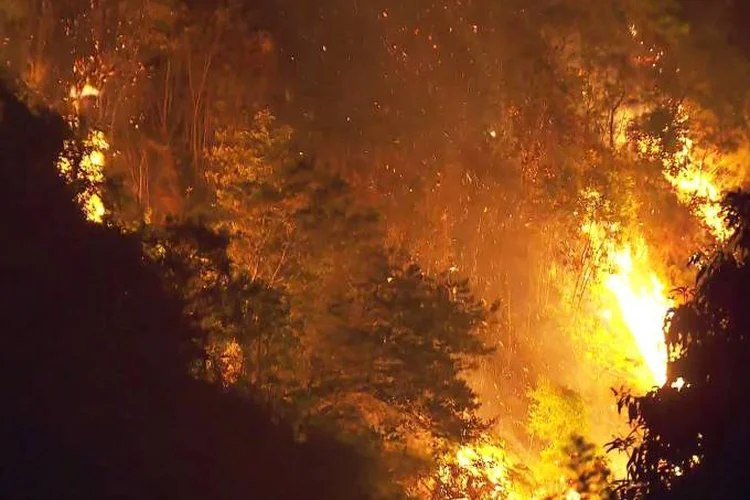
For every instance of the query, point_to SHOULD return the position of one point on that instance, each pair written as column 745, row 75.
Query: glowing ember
column 572, row 495
column 643, row 306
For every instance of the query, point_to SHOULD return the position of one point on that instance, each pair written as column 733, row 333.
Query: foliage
column 481, row 470
column 412, row 337
column 693, row 433
column 476, row 129
column 384, row 350
column 94, row 357
column 556, row 413
column 254, row 200
column 588, row 468
column 249, row 338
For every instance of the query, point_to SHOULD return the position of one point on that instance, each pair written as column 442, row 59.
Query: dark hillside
column 96, row 400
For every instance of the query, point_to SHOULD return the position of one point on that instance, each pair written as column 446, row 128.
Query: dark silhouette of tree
column 409, row 337
column 97, row 401
column 695, row 434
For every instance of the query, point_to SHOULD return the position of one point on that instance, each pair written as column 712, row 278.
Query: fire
column 638, row 291
column 483, row 471
column 693, row 176
column 92, row 167
column 77, row 95
column 86, row 167
column 694, row 184
column 87, row 90
column 478, row 471
column 643, row 305
column 639, row 295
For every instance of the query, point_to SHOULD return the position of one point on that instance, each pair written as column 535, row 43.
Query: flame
column 643, row 305
column 87, row 90
column 639, row 295
column 691, row 174
column 89, row 170
column 679, row 383
column 90, row 166
column 479, row 471
column 482, row 471
column 695, row 185
column 491, row 459
column 485, row 462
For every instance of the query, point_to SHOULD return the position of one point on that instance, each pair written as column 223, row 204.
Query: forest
column 343, row 249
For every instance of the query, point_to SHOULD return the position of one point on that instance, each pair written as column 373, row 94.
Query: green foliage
column 383, row 350
column 244, row 168
column 288, row 219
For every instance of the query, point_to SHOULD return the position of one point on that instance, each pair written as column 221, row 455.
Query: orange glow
column 484, row 471
column 694, row 178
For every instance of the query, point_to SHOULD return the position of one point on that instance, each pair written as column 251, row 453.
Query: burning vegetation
column 438, row 233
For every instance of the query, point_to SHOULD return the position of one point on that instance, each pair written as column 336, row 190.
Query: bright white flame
column 643, row 304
